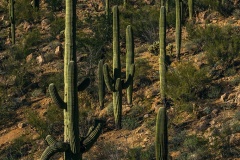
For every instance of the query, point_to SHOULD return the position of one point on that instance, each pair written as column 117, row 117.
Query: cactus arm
column 92, row 136
column 56, row 98
column 129, row 62
column 84, row 84
column 130, row 76
column 101, row 86
column 54, row 147
column 161, row 138
column 190, row 9
column 107, row 78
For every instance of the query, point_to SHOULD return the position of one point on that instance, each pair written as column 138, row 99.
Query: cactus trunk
column 178, row 29
column 162, row 54
column 161, row 137
column 101, row 85
column 190, row 9
column 12, row 19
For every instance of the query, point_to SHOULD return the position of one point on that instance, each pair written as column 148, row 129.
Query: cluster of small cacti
column 115, row 84
column 154, row 48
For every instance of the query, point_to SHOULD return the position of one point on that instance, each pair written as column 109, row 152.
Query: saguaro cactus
column 115, row 84
column 101, row 84
column 190, row 9
column 73, row 145
column 178, row 28
column 12, row 19
column 161, row 149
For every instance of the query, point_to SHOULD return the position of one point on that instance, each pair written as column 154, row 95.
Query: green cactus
column 178, row 28
column 101, row 84
column 190, row 9
column 161, row 147
column 129, row 62
column 161, row 137
column 73, row 145
column 115, row 84
column 107, row 9
column 162, row 53
column 12, row 19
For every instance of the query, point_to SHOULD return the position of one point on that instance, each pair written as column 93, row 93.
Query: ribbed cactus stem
column 161, row 137
column 129, row 62
column 101, row 84
column 12, row 19
column 125, row 4
column 162, row 54
column 190, row 9
column 167, row 6
column 107, row 9
column 178, row 28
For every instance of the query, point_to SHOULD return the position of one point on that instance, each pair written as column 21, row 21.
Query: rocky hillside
column 203, row 87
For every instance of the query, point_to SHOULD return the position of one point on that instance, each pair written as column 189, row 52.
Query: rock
column 22, row 125
column 29, row 58
column 214, row 113
column 40, row 59
column 59, row 51
column 149, row 1
column 223, row 97
column 45, row 24
column 234, row 139
column 203, row 124
column 26, row 26
column 146, row 116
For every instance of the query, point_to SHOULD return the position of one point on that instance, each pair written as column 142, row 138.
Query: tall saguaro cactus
column 161, row 139
column 73, row 145
column 12, row 19
column 115, row 84
column 190, row 9
column 101, row 84
column 178, row 35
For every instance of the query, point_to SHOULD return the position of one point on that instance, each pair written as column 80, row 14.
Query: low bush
column 185, row 82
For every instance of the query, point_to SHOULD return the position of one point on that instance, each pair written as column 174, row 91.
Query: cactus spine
column 115, row 83
column 12, row 19
column 178, row 28
column 101, row 84
column 190, row 9
column 161, row 149
column 73, row 146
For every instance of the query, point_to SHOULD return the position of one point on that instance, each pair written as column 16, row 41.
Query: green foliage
column 140, row 78
column 237, row 115
column 185, row 82
column 131, row 120
column 138, row 153
column 18, row 149
column 55, row 5
column 220, row 44
column 57, row 26
column 26, row 12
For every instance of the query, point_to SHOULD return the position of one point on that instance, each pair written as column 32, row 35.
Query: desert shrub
column 220, row 44
column 185, row 82
column 214, row 91
column 40, row 124
column 57, row 26
column 5, row 113
column 55, row 5
column 138, row 153
column 236, row 14
column 140, row 78
column 131, row 120
column 19, row 148
column 25, row 12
